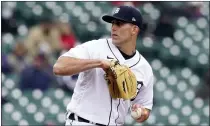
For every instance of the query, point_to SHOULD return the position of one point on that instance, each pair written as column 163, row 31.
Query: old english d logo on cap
column 117, row 10
column 127, row 14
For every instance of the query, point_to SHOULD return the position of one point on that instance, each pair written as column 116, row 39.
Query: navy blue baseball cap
column 126, row 14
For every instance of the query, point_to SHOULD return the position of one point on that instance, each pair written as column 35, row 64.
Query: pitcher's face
column 121, row 32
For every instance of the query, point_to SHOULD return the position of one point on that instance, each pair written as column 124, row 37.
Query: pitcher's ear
column 135, row 30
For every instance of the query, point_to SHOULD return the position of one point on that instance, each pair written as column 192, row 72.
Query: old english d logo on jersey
column 139, row 85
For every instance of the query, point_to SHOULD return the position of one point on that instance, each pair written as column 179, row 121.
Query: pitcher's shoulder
column 145, row 64
column 99, row 42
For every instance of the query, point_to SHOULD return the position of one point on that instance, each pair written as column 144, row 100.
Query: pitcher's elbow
column 57, row 70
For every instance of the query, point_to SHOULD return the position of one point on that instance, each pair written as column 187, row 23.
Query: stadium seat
column 164, row 72
column 177, row 103
column 39, row 118
column 7, row 42
column 156, row 64
column 68, row 6
column 84, row 18
column 206, row 110
column 8, row 107
column 173, row 119
column 194, row 80
column 66, row 100
column 59, row 94
column 201, row 23
column 23, row 122
column 205, row 43
column 3, row 77
column 182, row 86
column 16, row 93
column 194, row 119
column 46, row 102
column 61, row 117
column 179, row 35
column 7, row 110
column 31, row 108
column 9, row 84
column 23, row 101
column 168, row 94
column 4, row 91
column 147, row 47
column 189, row 95
column 37, row 94
column 16, row 116
column 172, row 80
column 105, row 7
column 164, row 110
column 190, row 29
column 151, row 120
column 54, row 109
column 50, row 4
column 31, row 98
column 186, row 110
column 182, row 22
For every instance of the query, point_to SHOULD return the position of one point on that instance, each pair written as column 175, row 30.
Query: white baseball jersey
column 91, row 99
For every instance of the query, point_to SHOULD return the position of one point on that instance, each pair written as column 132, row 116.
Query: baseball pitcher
column 114, row 78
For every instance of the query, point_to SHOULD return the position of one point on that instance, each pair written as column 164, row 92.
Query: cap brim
column 109, row 19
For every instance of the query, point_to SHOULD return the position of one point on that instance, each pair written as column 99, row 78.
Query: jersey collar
column 130, row 62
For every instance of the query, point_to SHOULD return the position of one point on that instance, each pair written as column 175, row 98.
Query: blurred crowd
column 32, row 58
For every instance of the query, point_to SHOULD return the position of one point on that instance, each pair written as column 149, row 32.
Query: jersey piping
column 118, row 60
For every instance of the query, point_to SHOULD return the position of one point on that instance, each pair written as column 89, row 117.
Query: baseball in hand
column 136, row 113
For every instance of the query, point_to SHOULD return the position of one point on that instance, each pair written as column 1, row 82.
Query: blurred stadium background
column 175, row 41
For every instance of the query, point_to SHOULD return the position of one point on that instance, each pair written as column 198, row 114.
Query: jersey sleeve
column 82, row 51
column 145, row 95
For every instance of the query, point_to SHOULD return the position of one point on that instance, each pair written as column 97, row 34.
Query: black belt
column 80, row 119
